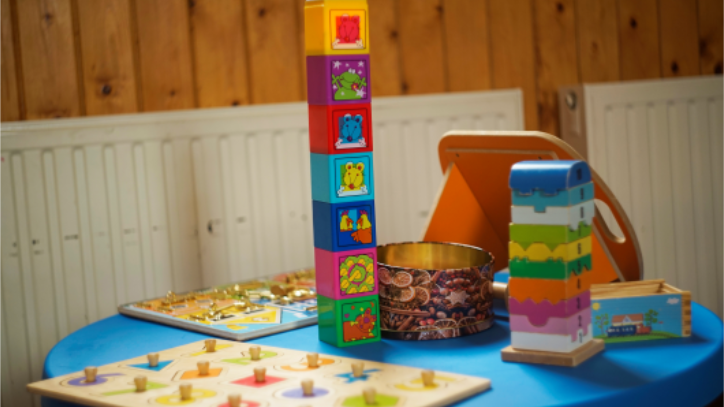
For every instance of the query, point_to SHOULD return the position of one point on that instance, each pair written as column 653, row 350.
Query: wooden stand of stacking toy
column 340, row 139
column 550, row 264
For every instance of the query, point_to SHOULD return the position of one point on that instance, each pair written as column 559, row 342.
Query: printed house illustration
column 627, row 319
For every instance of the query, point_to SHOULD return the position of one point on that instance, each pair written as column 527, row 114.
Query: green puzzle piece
column 247, row 360
column 550, row 269
column 551, row 235
column 381, row 400
column 149, row 386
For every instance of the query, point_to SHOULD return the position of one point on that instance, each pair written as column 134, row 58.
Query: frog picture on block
column 338, row 79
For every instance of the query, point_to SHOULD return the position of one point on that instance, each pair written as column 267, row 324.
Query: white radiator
column 101, row 211
column 658, row 145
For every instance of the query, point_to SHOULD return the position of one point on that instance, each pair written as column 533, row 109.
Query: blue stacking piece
column 566, row 197
column 344, row 226
column 548, row 176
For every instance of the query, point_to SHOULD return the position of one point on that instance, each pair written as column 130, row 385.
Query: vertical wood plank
column 220, row 59
column 556, row 57
column 385, row 48
column 598, row 53
column 710, row 36
column 13, row 311
column 638, row 36
column 467, row 46
column 301, row 47
column 679, row 38
column 109, row 78
column 50, row 76
column 245, row 222
column 511, row 28
column 421, row 46
column 164, row 49
column 716, row 128
column 9, row 91
column 116, row 231
column 270, row 29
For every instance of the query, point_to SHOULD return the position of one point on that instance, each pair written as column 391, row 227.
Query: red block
column 340, row 129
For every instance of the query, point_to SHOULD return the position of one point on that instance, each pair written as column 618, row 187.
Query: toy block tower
column 550, row 263
column 343, row 190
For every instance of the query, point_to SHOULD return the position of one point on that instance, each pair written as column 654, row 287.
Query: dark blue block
column 548, row 176
column 344, row 226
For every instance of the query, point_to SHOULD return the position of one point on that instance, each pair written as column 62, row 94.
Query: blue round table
column 675, row 372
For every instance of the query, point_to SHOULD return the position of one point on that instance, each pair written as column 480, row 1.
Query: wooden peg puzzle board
column 232, row 371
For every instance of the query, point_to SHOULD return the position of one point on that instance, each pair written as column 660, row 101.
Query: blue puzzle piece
column 566, row 197
column 548, row 176
column 351, row 379
column 344, row 226
column 158, row 368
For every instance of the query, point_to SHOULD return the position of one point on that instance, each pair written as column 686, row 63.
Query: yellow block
column 541, row 252
column 336, row 27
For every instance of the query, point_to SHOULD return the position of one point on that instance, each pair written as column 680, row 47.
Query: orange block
column 194, row 374
column 539, row 289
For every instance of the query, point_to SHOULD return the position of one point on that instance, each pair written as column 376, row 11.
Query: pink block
column 555, row 326
column 347, row 274
column 539, row 313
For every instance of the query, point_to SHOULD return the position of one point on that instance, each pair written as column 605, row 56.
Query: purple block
column 338, row 79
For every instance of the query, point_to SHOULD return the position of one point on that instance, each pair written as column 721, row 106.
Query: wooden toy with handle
column 473, row 204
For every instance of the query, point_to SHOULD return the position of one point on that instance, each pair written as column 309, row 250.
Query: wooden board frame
column 475, row 192
column 571, row 359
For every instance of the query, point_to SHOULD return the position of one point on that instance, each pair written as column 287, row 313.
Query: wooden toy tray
column 473, row 204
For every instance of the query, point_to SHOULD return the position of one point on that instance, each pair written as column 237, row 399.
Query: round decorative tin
column 432, row 290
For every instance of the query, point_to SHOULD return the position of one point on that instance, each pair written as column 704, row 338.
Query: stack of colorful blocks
column 550, row 255
column 340, row 139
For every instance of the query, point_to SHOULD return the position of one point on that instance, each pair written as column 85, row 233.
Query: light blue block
column 565, row 197
column 342, row 177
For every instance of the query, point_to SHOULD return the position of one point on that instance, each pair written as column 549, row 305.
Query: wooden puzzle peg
column 235, row 400
column 153, row 359
column 255, row 352
column 140, row 382
column 308, row 387
column 210, row 345
column 260, row 374
column 358, row 369
column 313, row 359
column 185, row 389
column 203, row 367
column 428, row 378
column 370, row 395
column 90, row 374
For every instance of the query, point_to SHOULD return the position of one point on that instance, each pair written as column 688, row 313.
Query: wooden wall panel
column 467, row 45
column 421, row 46
column 220, row 58
column 385, row 48
column 271, row 26
column 556, row 57
column 511, row 28
column 165, row 55
column 109, row 77
column 10, row 94
column 48, row 53
column 638, row 38
column 710, row 36
column 679, row 38
column 597, row 40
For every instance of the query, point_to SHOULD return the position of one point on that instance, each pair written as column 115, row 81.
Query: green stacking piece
column 347, row 322
column 550, row 269
column 551, row 235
